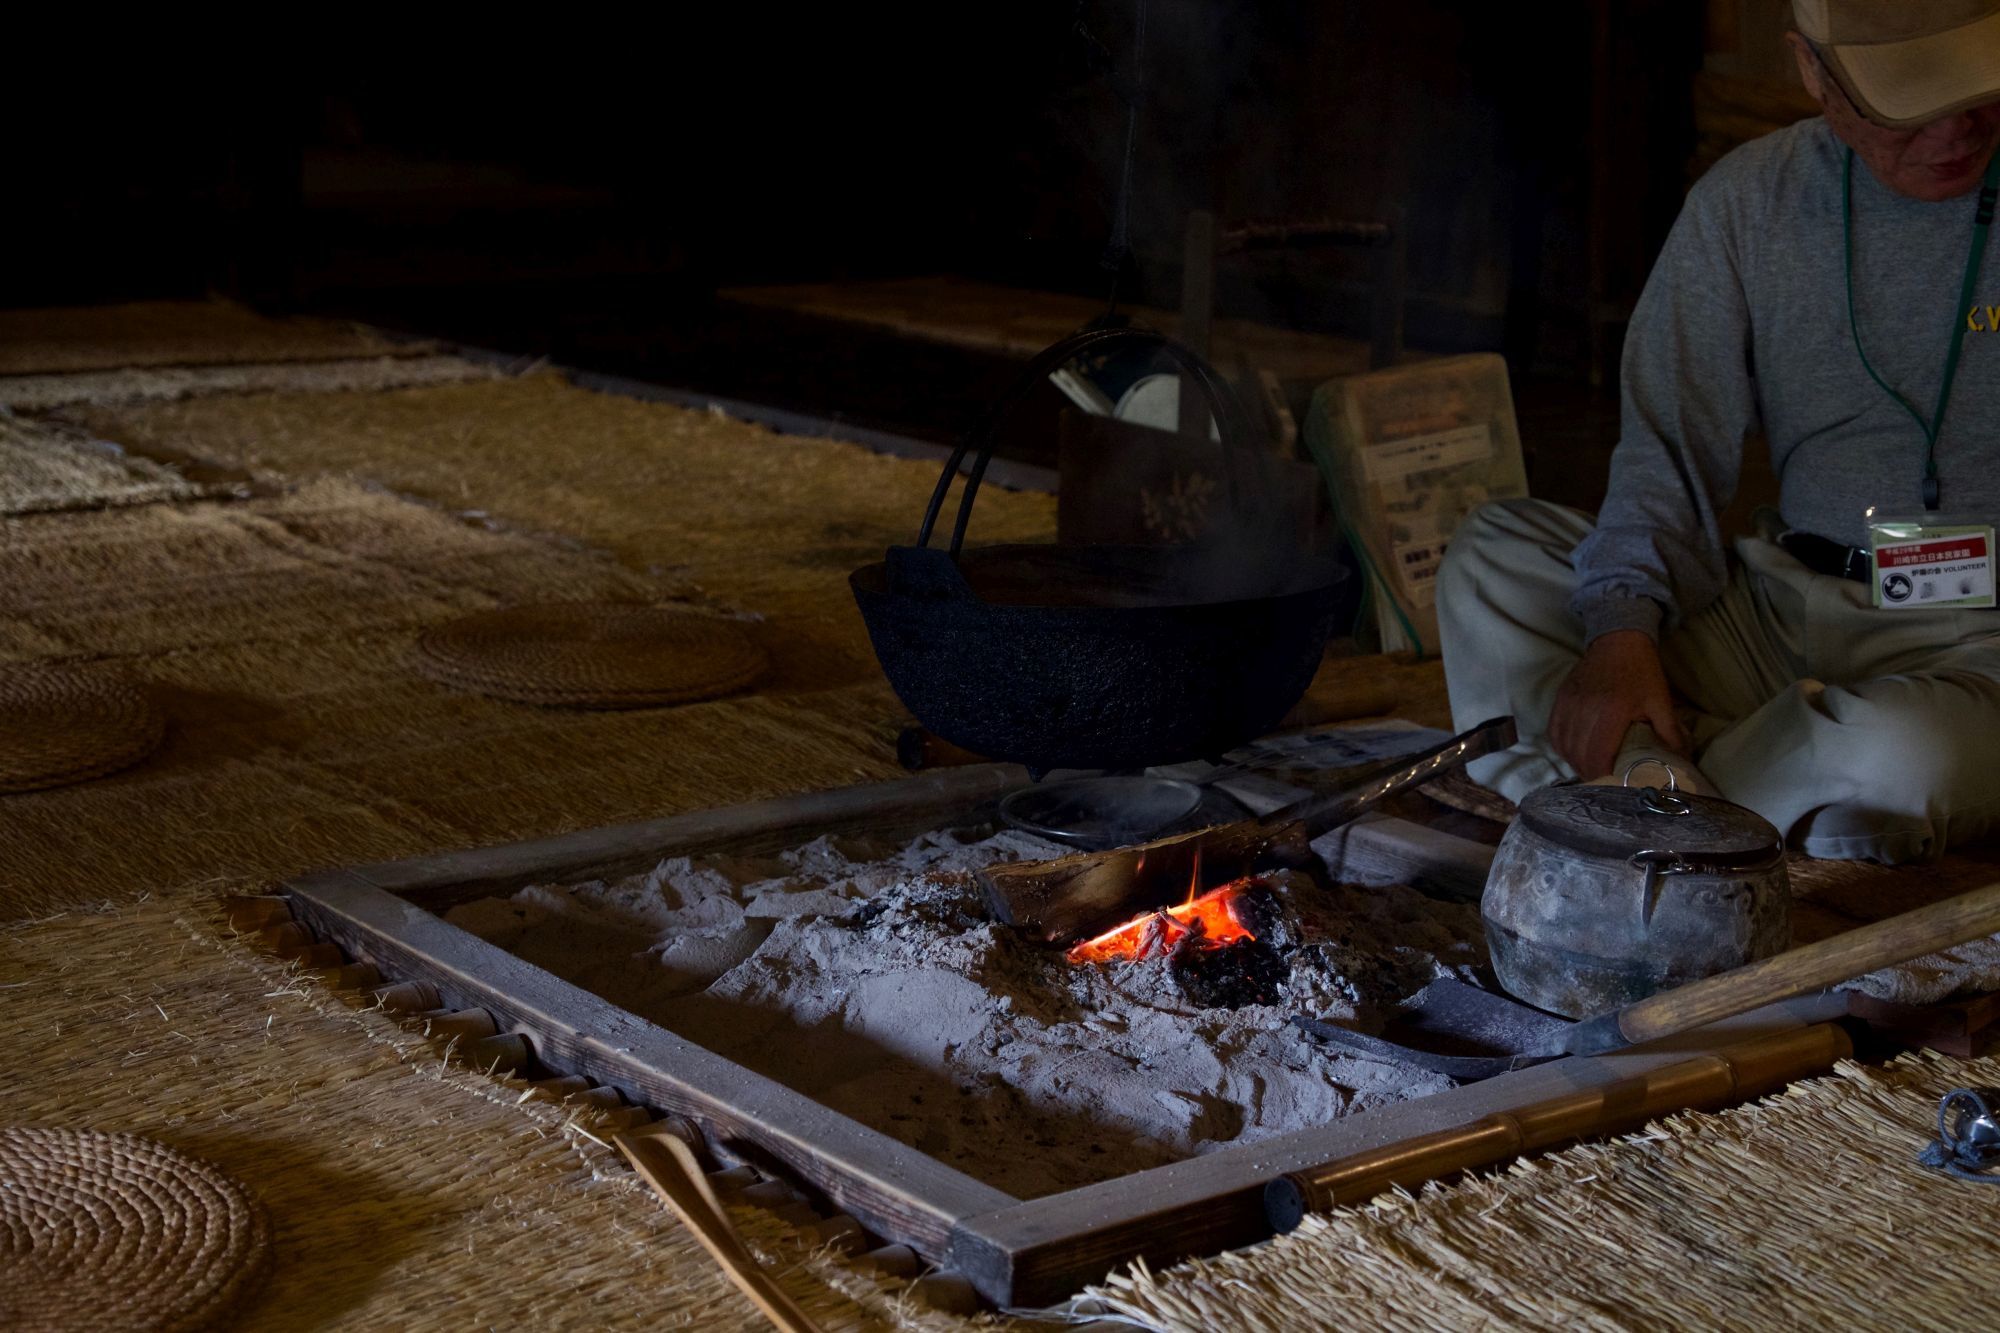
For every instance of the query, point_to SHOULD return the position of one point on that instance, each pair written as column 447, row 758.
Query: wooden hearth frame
column 1015, row 1252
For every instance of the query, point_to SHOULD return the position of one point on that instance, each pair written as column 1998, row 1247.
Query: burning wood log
column 1077, row 896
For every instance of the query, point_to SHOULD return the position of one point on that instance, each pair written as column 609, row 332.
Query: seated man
column 1823, row 283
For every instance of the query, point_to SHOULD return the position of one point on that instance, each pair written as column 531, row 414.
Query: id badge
column 1931, row 563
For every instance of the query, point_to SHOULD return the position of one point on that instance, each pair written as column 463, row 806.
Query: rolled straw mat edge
column 114, row 1231
column 592, row 655
column 60, row 725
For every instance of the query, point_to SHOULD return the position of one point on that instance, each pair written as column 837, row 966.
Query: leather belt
column 1823, row 555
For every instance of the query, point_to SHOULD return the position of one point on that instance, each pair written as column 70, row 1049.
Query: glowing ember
column 1210, row 917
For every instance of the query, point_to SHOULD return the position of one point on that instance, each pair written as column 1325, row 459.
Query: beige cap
column 1906, row 62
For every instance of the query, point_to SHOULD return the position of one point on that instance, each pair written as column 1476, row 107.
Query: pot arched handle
column 1222, row 404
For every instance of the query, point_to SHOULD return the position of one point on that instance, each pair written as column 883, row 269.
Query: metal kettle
column 1602, row 895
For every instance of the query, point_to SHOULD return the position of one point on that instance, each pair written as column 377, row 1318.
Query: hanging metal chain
column 1130, row 90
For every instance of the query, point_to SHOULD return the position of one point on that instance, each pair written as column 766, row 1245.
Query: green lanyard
column 1982, row 223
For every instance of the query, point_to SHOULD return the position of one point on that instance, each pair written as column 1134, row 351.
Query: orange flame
column 1211, row 916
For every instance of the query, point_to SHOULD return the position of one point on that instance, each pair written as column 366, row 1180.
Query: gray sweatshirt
column 1744, row 324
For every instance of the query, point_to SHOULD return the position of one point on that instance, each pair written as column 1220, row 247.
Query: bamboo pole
column 1799, row 971
column 893, row 1260
column 557, row 1089
column 282, row 935
column 502, row 1054
column 465, row 1024
column 349, row 976
column 408, row 997
column 1730, row 1074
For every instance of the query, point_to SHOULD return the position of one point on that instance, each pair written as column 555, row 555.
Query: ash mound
column 873, row 979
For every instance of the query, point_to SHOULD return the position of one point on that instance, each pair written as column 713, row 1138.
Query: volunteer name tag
column 1932, row 566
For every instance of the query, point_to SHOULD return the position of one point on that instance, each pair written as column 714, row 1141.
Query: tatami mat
column 176, row 333
column 276, row 635
column 111, row 388
column 403, row 1192
column 406, row 1194
column 1805, row 1211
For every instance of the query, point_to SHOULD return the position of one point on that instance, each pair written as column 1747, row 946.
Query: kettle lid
column 1620, row 821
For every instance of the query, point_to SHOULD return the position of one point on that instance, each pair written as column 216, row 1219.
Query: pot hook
column 1222, row 404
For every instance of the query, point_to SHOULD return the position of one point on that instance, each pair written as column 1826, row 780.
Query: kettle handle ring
column 1661, row 801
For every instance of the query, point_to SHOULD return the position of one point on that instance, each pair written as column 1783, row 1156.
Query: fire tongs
column 1078, row 896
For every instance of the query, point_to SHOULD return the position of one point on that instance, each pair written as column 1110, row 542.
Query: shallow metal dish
column 1097, row 813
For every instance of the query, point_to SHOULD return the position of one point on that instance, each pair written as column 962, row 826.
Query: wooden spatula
column 669, row 1166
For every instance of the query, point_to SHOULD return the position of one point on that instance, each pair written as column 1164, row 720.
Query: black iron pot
column 1600, row 896
column 1094, row 656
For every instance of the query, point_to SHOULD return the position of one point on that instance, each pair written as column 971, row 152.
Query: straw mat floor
column 407, row 1194
column 1804, row 1211
column 771, row 523
column 276, row 633
column 39, row 393
column 45, row 468
column 174, row 333
column 403, row 1192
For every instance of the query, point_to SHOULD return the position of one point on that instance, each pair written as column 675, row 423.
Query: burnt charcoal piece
column 1244, row 972
column 1257, row 907
column 865, row 915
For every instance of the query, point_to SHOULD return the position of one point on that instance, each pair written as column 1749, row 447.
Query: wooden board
column 985, row 316
column 894, row 1189
column 1384, row 849
column 889, row 808
column 1014, row 1251
column 1954, row 1027
column 1044, row 1249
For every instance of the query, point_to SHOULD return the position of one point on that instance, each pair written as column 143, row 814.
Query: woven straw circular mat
column 592, row 655
column 59, row 726
column 114, row 1231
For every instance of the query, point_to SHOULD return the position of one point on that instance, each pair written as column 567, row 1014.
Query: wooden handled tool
column 667, row 1164
column 1075, row 897
column 1744, row 1070
column 1811, row 967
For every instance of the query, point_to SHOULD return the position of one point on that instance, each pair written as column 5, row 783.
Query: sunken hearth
column 876, row 1035
column 870, row 976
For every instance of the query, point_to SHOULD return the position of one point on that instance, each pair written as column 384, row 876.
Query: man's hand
column 1619, row 682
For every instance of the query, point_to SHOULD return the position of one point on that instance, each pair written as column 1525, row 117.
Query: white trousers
column 1861, row 734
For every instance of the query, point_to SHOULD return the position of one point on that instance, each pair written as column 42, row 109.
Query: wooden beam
column 1015, row 1252
column 1953, row 1027
column 892, row 1188
column 904, row 805
column 1044, row 1249
column 1379, row 849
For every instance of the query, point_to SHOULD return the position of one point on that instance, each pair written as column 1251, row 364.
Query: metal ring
column 1666, row 802
column 1673, row 782
column 1660, row 802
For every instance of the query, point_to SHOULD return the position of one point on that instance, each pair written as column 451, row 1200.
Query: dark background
column 580, row 185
